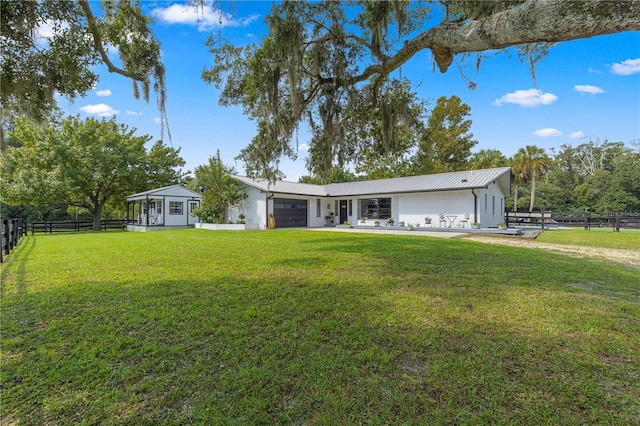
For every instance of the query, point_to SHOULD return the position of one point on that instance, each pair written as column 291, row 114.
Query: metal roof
column 173, row 190
column 470, row 179
column 284, row 187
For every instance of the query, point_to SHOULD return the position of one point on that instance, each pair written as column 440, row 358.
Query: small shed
column 159, row 208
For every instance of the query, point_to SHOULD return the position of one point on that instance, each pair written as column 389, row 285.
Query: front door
column 343, row 211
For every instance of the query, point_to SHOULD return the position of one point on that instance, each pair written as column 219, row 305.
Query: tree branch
column 535, row 21
column 98, row 44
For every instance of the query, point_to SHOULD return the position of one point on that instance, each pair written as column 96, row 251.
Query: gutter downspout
column 475, row 205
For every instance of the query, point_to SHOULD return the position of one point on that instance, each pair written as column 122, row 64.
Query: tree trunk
column 97, row 218
column 533, row 192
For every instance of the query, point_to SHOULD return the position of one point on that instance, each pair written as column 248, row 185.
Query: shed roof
column 470, row 179
column 171, row 191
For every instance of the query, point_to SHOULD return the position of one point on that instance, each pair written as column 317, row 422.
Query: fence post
column 1, row 241
column 542, row 219
column 587, row 221
column 2, row 228
column 6, row 235
column 617, row 225
column 13, row 230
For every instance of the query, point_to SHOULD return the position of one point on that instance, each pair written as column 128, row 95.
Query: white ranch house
column 448, row 200
column 162, row 208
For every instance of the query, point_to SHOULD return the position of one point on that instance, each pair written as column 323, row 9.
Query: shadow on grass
column 16, row 265
column 231, row 350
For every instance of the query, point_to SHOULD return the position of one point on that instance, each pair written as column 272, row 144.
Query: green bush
column 208, row 213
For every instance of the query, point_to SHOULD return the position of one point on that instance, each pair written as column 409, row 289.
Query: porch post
column 146, row 221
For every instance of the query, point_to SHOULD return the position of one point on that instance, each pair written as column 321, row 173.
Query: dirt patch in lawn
column 629, row 258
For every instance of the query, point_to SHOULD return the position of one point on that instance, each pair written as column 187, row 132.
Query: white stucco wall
column 313, row 220
column 253, row 208
column 414, row 208
column 183, row 219
column 491, row 206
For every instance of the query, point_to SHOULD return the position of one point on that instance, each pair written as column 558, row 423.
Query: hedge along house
column 162, row 208
column 445, row 200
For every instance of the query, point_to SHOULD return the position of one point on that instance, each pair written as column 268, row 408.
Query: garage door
column 290, row 213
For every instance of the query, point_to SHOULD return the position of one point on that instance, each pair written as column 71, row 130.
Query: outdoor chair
column 442, row 220
column 464, row 222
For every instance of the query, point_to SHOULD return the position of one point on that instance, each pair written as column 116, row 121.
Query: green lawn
column 628, row 239
column 300, row 327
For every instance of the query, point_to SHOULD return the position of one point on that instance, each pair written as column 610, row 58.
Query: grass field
column 596, row 237
column 299, row 327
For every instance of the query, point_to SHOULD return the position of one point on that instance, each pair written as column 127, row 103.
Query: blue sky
column 584, row 90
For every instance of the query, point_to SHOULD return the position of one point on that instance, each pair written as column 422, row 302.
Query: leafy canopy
column 318, row 58
column 51, row 47
column 83, row 163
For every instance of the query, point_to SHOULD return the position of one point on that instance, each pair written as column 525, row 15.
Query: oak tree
column 445, row 145
column 51, row 47
column 83, row 164
column 316, row 56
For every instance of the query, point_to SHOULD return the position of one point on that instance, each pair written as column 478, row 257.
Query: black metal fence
column 12, row 231
column 587, row 220
column 75, row 226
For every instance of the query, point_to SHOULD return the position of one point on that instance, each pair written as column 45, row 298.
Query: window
column 318, row 207
column 350, row 207
column 175, row 207
column 192, row 205
column 493, row 205
column 486, row 202
column 375, row 208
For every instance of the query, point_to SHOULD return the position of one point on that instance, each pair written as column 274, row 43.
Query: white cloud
column 594, row 71
column 627, row 67
column 112, row 50
column 549, row 132
column 105, row 92
column 205, row 17
column 587, row 88
column 157, row 120
column 50, row 28
column 527, row 98
column 138, row 113
column 47, row 30
column 577, row 135
column 303, row 147
column 101, row 110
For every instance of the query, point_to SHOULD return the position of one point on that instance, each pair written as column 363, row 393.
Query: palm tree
column 487, row 159
column 527, row 164
column 518, row 171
